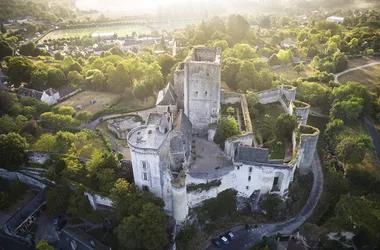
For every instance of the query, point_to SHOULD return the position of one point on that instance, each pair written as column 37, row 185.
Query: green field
column 120, row 30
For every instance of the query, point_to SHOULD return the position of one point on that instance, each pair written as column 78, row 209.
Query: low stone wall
column 96, row 200
column 247, row 117
column 63, row 98
column 269, row 96
column 229, row 97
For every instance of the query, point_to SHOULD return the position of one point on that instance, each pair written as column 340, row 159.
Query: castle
column 173, row 153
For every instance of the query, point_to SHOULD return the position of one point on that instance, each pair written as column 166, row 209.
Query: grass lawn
column 120, row 30
column 268, row 120
column 369, row 76
column 136, row 103
column 84, row 98
column 370, row 162
column 103, row 127
column 355, row 62
column 290, row 74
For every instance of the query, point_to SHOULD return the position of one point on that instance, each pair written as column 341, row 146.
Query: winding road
column 336, row 76
column 245, row 239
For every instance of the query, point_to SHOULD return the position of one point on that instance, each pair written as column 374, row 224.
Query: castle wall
column 229, row 144
column 308, row 145
column 179, row 79
column 164, row 108
column 229, row 97
column 269, row 96
column 202, row 94
column 150, row 176
column 290, row 93
column 302, row 115
column 180, row 207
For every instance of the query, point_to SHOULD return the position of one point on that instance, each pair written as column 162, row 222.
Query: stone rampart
column 269, row 96
column 308, row 144
column 301, row 110
column 180, row 207
column 96, row 200
column 229, row 97
column 289, row 92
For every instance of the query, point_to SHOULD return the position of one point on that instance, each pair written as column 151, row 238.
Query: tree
column 166, row 63
column 230, row 68
column 44, row 245
column 184, row 237
column 221, row 206
column 75, row 78
column 19, row 70
column 349, row 110
column 286, row 124
column 79, row 205
column 140, row 91
column 5, row 50
column 265, row 22
column 28, row 49
column 246, row 76
column 96, row 79
column 3, row 29
column 119, row 78
column 76, row 67
column 12, row 151
column 58, row 56
column 236, row 27
column 272, row 205
column 46, row 143
column 264, row 80
column 227, row 127
column 4, row 200
column 252, row 99
column 63, row 110
column 316, row 62
column 31, row 27
column 116, row 50
column 145, row 231
column 10, row 124
column 285, row 56
column 58, row 121
column 38, row 79
column 123, row 194
column 299, row 67
column 350, row 151
column 84, row 116
column 56, row 77
column 57, row 200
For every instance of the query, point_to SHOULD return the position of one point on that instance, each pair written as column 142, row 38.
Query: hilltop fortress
column 173, row 153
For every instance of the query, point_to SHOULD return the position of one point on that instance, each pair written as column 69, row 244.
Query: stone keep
column 202, row 88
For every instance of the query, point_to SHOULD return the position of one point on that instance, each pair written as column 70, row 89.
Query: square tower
column 202, row 88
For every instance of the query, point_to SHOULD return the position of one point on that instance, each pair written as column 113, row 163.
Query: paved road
column 375, row 136
column 336, row 76
column 245, row 239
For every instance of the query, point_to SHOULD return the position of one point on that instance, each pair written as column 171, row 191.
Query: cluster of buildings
column 173, row 154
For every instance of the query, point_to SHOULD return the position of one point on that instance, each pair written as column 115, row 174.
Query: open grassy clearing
column 371, row 162
column 120, row 30
column 369, row 76
column 136, row 103
column 290, row 74
column 265, row 125
column 355, row 62
column 84, row 98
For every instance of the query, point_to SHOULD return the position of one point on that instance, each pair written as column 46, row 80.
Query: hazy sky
column 127, row 5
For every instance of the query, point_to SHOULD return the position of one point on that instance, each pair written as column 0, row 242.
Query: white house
column 335, row 19
column 50, row 96
column 287, row 43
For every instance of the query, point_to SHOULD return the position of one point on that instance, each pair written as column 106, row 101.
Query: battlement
column 204, row 54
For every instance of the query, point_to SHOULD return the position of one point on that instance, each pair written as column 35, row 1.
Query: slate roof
column 167, row 96
column 18, row 218
column 251, row 154
column 153, row 119
column 30, row 93
column 183, row 124
column 82, row 240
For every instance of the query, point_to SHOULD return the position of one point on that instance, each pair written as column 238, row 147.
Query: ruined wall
column 229, row 97
column 38, row 157
column 269, row 96
column 231, row 144
column 179, row 78
column 96, row 200
column 308, row 145
column 211, row 134
column 301, row 110
column 21, row 177
column 247, row 117
column 289, row 92
column 202, row 94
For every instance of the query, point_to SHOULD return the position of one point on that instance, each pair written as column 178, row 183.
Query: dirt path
column 336, row 76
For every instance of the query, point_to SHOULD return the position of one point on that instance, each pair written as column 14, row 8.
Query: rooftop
column 251, row 154
column 125, row 123
column 166, row 96
column 18, row 218
column 207, row 156
column 147, row 136
column 75, row 237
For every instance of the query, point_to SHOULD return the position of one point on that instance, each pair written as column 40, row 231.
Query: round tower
column 180, row 207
